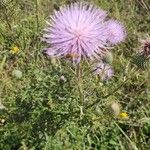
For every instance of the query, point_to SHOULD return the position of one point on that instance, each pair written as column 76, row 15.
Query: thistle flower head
column 142, row 57
column 77, row 31
column 145, row 46
column 116, row 32
column 103, row 70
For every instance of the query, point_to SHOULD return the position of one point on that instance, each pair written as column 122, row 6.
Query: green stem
column 37, row 16
column 3, row 63
column 79, row 82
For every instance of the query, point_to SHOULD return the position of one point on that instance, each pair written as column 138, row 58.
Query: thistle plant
column 82, row 31
column 83, row 93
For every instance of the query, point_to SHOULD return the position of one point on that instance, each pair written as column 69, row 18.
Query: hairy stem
column 37, row 16
column 79, row 82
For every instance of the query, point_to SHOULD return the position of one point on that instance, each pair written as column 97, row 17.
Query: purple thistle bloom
column 116, row 32
column 103, row 70
column 78, row 31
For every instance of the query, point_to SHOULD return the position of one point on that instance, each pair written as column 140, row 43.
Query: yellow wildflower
column 123, row 115
column 14, row 50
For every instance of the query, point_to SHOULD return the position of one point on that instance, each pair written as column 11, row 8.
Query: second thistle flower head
column 79, row 31
column 116, row 32
column 103, row 70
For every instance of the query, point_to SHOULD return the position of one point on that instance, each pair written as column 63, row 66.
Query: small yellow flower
column 14, row 50
column 123, row 115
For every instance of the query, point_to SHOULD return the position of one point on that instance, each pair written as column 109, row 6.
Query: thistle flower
column 145, row 47
column 103, row 70
column 116, row 32
column 142, row 57
column 77, row 31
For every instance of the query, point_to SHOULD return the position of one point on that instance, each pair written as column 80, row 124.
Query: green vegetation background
column 42, row 112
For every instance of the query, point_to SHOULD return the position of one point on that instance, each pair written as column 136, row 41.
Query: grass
column 43, row 112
